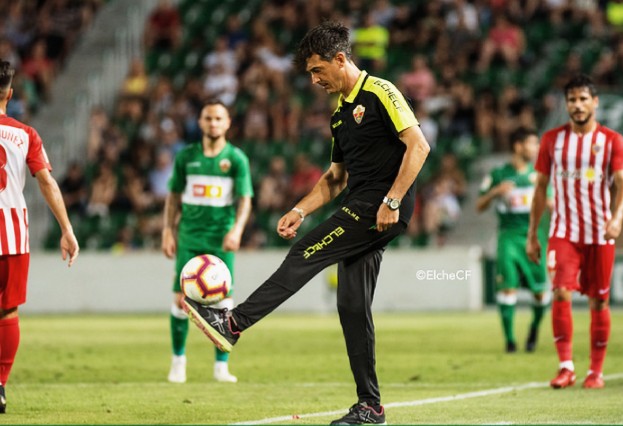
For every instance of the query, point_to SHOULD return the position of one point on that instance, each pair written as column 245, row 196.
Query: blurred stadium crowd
column 477, row 69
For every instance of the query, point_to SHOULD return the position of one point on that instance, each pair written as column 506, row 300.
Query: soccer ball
column 205, row 279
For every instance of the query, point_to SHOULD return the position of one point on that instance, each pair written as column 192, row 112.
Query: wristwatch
column 393, row 203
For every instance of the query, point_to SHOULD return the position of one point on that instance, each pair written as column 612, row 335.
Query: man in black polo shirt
column 378, row 151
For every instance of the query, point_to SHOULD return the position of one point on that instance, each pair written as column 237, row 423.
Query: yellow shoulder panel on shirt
column 393, row 101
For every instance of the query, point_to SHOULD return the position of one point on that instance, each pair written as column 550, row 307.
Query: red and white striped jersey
column 20, row 147
column 580, row 169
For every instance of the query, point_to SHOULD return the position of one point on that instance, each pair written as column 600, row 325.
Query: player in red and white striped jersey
column 21, row 150
column 581, row 160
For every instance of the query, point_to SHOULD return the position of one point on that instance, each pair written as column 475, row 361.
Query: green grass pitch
column 434, row 368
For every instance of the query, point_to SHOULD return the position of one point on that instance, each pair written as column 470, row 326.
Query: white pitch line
column 419, row 402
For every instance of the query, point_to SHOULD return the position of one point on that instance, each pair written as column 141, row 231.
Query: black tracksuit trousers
column 348, row 238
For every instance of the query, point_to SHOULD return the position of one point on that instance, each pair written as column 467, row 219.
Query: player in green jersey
column 207, row 180
column 511, row 187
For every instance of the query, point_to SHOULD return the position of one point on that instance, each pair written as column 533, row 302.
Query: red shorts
column 583, row 267
column 13, row 279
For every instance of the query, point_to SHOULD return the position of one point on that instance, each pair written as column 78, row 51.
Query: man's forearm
column 412, row 163
column 242, row 213
column 326, row 189
column 171, row 209
column 539, row 202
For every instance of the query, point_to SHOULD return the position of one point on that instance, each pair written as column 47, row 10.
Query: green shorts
column 514, row 268
column 184, row 256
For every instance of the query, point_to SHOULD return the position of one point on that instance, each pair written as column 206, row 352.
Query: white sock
column 567, row 364
column 221, row 366
column 179, row 360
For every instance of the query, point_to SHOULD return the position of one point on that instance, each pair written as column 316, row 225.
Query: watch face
column 394, row 204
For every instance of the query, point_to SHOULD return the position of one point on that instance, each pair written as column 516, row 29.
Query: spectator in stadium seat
column 164, row 27
column 441, row 209
column 429, row 24
column 74, row 188
column 401, row 26
column 285, row 113
column 184, row 112
column 222, row 55
column 614, row 14
column 442, row 198
column 99, row 123
column 370, row 41
column 24, row 98
column 485, row 110
column 419, row 82
column 257, row 116
column 304, row 177
column 53, row 37
column 513, row 111
column 103, row 191
column 235, row 33
column 16, row 24
column 162, row 96
column 273, row 189
column 159, row 176
column 221, row 84
column 604, row 71
column 462, row 24
column 136, row 83
column 430, row 128
column 504, row 39
column 169, row 136
column 461, row 113
column 383, row 12
column 39, row 68
column 66, row 19
column 9, row 53
column 137, row 191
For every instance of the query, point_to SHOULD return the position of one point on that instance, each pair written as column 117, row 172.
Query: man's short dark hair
column 6, row 75
column 325, row 40
column 521, row 134
column 581, row 80
column 215, row 101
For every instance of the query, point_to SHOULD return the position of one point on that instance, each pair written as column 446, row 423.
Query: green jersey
column 513, row 208
column 209, row 187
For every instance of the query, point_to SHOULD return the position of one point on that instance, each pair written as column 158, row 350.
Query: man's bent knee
column 562, row 295
column 597, row 304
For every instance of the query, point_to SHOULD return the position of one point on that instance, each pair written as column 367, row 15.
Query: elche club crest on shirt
column 224, row 165
column 358, row 113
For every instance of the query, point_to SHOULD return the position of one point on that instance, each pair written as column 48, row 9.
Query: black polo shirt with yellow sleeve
column 365, row 128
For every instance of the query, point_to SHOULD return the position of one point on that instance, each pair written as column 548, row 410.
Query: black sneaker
column 531, row 341
column 215, row 323
column 362, row 414
column 2, row 400
column 511, row 347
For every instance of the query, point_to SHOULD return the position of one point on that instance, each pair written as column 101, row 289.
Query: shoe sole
column 225, row 380
column 212, row 334
column 557, row 386
column 176, row 380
